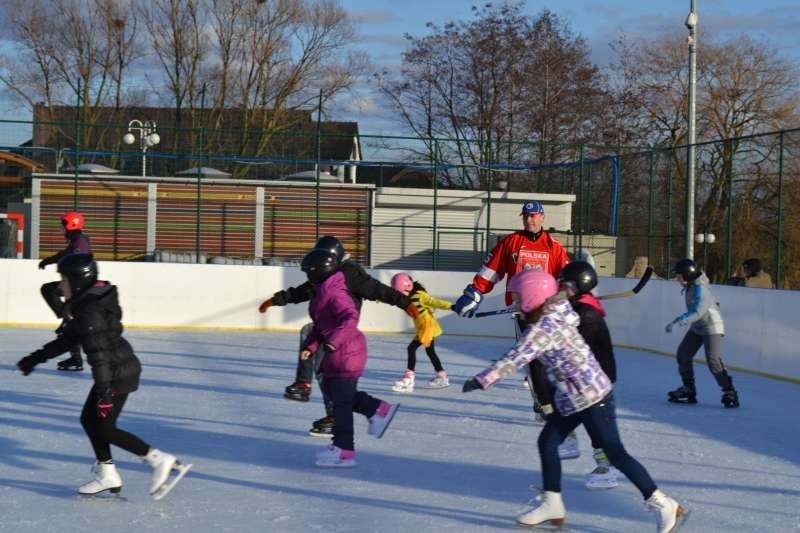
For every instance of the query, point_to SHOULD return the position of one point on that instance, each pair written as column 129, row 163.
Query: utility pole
column 691, row 24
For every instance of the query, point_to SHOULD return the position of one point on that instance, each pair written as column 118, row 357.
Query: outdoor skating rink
column 449, row 462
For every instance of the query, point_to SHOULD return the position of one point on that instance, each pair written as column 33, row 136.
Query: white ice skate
column 604, row 476
column 382, row 418
column 669, row 514
column 569, row 448
column 334, row 457
column 551, row 509
column 106, row 477
column 440, row 381
column 163, row 465
column 406, row 383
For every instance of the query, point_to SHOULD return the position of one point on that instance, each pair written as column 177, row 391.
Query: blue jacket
column 702, row 309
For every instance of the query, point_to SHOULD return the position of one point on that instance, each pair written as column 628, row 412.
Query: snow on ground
column 449, row 462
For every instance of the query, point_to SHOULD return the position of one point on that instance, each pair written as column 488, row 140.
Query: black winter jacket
column 360, row 285
column 92, row 319
column 594, row 331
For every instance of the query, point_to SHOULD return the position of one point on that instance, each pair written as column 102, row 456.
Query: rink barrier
column 761, row 326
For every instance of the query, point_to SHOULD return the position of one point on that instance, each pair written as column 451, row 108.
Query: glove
column 266, row 304
column 105, row 404
column 280, row 298
column 28, row 363
column 669, row 327
column 471, row 385
column 468, row 302
column 43, row 263
column 547, row 412
column 305, row 353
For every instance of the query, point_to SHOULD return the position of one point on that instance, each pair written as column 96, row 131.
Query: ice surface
column 449, row 462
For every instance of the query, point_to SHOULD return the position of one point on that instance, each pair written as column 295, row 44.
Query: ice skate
column 551, row 509
column 164, row 465
column 73, row 364
column 106, row 477
column 440, row 381
column 334, row 457
column 406, row 383
column 604, row 476
column 686, row 393
column 322, row 427
column 569, row 448
column 299, row 391
column 730, row 398
column 669, row 514
column 379, row 422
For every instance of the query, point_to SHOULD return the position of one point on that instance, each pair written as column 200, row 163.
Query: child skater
column 428, row 329
column 707, row 329
column 577, row 279
column 335, row 318
column 91, row 317
column 582, row 395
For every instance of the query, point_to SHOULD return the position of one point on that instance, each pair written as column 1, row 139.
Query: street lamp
column 705, row 239
column 147, row 137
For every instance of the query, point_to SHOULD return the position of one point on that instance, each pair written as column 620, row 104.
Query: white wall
column 762, row 328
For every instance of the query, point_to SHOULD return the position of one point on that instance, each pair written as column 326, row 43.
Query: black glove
column 280, row 298
column 43, row 263
column 105, row 403
column 471, row 385
column 29, row 362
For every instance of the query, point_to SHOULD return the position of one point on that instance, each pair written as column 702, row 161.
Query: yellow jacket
column 428, row 328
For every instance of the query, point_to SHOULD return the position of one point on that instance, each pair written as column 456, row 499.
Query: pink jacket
column 335, row 318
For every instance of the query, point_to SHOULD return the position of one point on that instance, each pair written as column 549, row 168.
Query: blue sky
column 382, row 24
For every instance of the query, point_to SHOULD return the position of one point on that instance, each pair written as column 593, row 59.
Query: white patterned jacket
column 572, row 369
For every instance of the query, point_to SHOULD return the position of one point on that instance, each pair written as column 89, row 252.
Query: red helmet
column 72, row 220
column 402, row 283
column 534, row 288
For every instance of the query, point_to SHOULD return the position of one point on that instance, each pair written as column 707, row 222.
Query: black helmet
column 318, row 264
column 582, row 274
column 687, row 269
column 333, row 245
column 80, row 270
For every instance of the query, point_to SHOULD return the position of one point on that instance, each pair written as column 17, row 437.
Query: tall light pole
column 147, row 137
column 691, row 23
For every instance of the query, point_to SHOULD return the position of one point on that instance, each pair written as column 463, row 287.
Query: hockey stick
column 642, row 282
column 503, row 311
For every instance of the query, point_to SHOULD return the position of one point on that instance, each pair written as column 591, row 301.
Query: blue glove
column 468, row 302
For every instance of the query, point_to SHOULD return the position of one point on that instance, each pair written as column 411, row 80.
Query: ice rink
column 449, row 462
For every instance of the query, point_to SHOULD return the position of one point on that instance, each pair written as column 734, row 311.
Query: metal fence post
column 779, row 231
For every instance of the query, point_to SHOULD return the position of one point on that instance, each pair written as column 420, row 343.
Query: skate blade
column 602, row 486
column 402, row 390
column 104, row 496
column 680, row 521
column 344, row 464
column 321, row 435
column 70, row 369
column 545, row 526
column 297, row 398
column 180, row 470
column 437, row 387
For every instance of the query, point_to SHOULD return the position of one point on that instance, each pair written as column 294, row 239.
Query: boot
column 440, row 381
column 322, row 427
column 299, row 391
column 604, row 476
column 75, row 361
column 382, row 418
column 106, row 477
column 405, row 383
column 551, row 509
column 668, row 512
column 162, row 464
column 686, row 393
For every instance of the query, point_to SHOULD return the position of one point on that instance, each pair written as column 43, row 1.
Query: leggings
column 103, row 432
column 430, row 350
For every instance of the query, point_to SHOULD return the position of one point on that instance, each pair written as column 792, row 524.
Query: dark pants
column 430, row 350
column 52, row 296
column 347, row 399
column 712, row 344
column 103, row 432
column 600, row 421
column 308, row 367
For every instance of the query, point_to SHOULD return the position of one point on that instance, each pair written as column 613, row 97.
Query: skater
column 361, row 286
column 427, row 327
column 92, row 319
column 72, row 224
column 335, row 318
column 706, row 330
column 577, row 280
column 583, row 395
column 531, row 248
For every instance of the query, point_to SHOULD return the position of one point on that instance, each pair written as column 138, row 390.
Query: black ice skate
column 72, row 364
column 730, row 398
column 683, row 394
column 299, row 391
column 322, row 427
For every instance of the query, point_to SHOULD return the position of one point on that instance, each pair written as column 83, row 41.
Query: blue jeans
column 600, row 421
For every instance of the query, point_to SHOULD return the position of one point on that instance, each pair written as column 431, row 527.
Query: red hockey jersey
column 518, row 252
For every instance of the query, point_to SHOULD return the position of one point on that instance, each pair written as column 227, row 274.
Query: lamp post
column 705, row 239
column 147, row 137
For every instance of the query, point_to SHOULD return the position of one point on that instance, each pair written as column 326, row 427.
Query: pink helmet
column 534, row 288
column 402, row 283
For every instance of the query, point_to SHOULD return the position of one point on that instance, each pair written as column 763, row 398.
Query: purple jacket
column 335, row 320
